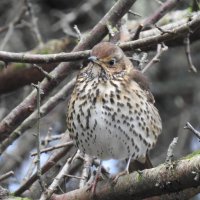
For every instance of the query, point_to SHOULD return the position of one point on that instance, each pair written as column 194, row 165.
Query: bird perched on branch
column 111, row 113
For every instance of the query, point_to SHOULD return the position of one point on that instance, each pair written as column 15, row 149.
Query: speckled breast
column 109, row 121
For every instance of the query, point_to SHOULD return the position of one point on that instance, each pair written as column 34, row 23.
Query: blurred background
column 176, row 90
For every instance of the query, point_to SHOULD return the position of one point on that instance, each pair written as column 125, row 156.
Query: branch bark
column 147, row 183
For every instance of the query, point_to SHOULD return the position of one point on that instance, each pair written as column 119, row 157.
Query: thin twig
column 160, row 50
column 88, row 160
column 46, row 140
column 46, row 74
column 34, row 21
column 170, row 151
column 72, row 176
column 78, row 32
column 123, row 32
column 111, row 30
column 16, row 20
column 159, row 2
column 57, row 180
column 137, row 32
column 7, row 37
column 134, row 13
column 143, row 60
column 191, row 128
column 163, row 31
column 39, row 173
column 30, row 169
column 6, row 175
column 188, row 54
column 54, row 147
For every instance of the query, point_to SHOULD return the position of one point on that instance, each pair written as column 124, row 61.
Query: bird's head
column 110, row 58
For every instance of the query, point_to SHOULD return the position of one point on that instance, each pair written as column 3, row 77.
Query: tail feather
column 136, row 165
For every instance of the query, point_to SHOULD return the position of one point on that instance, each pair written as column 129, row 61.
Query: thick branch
column 39, row 58
column 156, row 181
column 24, row 109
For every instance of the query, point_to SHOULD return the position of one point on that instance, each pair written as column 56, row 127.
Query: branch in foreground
column 156, row 181
column 25, row 108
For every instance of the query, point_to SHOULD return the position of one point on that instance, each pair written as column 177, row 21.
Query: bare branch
column 150, row 182
column 53, row 148
column 39, row 173
column 160, row 50
column 181, row 30
column 188, row 54
column 161, row 11
column 7, row 37
column 6, row 175
column 137, row 32
column 170, row 150
column 57, row 180
column 86, row 170
column 191, row 128
column 16, row 20
column 34, row 21
column 134, row 13
column 78, row 32
column 39, row 58
column 46, row 74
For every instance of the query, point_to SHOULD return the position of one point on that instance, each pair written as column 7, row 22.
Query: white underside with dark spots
column 132, row 132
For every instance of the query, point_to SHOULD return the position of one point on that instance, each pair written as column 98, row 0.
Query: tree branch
column 156, row 181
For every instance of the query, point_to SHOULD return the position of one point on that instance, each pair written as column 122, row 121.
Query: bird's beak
column 92, row 59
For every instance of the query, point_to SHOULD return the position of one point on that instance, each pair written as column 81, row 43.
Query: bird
column 111, row 112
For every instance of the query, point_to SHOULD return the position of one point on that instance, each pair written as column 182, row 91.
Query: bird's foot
column 100, row 174
column 116, row 177
column 92, row 186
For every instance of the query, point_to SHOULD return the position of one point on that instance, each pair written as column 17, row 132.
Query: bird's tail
column 137, row 165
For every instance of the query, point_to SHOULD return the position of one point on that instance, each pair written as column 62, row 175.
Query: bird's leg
column 97, row 177
column 126, row 171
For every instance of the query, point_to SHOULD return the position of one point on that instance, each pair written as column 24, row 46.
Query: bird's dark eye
column 112, row 62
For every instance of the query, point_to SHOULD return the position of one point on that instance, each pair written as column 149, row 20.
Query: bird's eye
column 112, row 62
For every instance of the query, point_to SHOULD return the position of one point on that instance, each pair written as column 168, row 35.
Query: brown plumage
column 111, row 113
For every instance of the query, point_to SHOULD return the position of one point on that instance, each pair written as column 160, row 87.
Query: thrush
column 111, row 113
